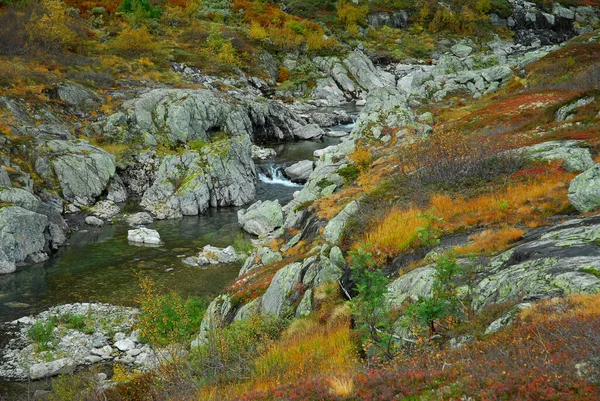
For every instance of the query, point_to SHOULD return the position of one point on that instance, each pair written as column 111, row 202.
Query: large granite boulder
column 366, row 74
column 24, row 237
column 83, row 171
column 299, row 172
column 584, row 190
column 261, row 218
column 220, row 174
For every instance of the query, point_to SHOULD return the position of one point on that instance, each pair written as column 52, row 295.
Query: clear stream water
column 98, row 264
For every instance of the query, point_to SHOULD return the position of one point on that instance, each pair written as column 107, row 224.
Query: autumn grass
column 489, row 241
column 528, row 202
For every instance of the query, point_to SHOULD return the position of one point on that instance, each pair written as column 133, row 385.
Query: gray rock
column 144, row 236
column 398, row 19
column 218, row 313
column 213, row 255
column 78, row 96
column 310, row 131
column 461, row 50
column 48, row 369
column 554, row 262
column 584, row 190
column 125, row 345
column 305, row 306
column 262, row 153
column 575, row 157
column 568, row 112
column 327, row 90
column 562, row 12
column 23, row 237
column 19, row 197
column 261, row 218
column 94, row 221
column 222, row 174
column 366, row 74
column 139, row 219
column 299, row 172
column 105, row 209
column 83, row 171
column 335, row 228
column 497, row 73
column 283, row 283
column 415, row 284
column 386, row 107
column 4, row 178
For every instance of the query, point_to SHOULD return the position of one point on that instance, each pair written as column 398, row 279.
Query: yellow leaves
column 51, row 29
column 257, row 31
column 134, row 42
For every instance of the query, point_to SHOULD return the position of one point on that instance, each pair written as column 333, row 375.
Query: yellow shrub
column 351, row 15
column 134, row 42
column 395, row 233
column 257, row 31
column 51, row 29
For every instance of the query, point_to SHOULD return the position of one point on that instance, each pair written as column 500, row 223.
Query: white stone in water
column 94, row 221
column 144, row 236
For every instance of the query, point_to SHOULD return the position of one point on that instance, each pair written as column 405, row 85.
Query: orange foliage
column 526, row 201
column 488, row 241
column 329, row 206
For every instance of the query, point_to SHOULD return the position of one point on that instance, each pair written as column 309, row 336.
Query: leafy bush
column 141, row 9
column 372, row 319
column 42, row 334
column 444, row 303
column 167, row 319
column 134, row 42
column 229, row 351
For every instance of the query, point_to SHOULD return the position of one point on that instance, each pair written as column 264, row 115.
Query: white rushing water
column 276, row 176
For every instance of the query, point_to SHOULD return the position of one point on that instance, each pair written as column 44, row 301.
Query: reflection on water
column 100, row 265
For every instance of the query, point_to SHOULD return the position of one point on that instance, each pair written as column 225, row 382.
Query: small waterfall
column 274, row 175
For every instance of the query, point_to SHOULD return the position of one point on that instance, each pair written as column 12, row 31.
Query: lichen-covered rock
column 24, row 237
column 261, row 218
column 558, row 261
column 584, row 190
column 94, row 221
column 105, row 209
column 386, row 107
column 415, row 284
column 181, row 115
column 219, row 312
column 221, row 174
column 300, row 171
column 19, row 197
column 83, row 171
column 576, row 158
column 284, row 281
column 310, row 131
column 211, row 255
column 567, row 112
column 139, row 219
column 78, row 96
column 366, row 74
column 335, row 228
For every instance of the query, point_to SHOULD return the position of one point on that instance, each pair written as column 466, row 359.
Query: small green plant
column 349, row 173
column 77, row 322
column 444, row 302
column 42, row 334
column 429, row 234
column 242, row 245
column 373, row 319
column 591, row 270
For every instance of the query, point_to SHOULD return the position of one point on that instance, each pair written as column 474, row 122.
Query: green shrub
column 229, row 352
column 140, row 9
column 42, row 334
column 242, row 245
column 349, row 173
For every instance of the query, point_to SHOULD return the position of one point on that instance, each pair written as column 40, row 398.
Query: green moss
column 349, row 173
column 591, row 270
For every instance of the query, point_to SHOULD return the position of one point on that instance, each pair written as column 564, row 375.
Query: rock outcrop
column 83, row 171
column 584, row 190
column 220, row 174
column 261, row 218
